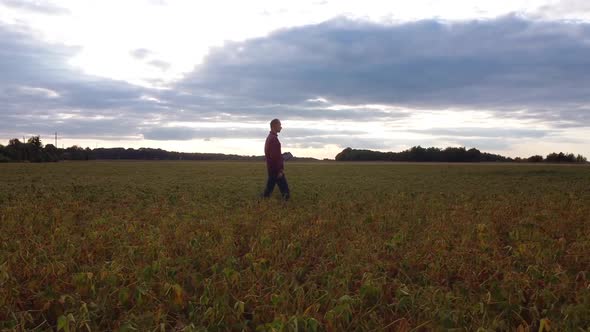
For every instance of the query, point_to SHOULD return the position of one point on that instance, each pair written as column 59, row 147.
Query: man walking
column 274, row 162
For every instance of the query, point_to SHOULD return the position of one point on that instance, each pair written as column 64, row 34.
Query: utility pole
column 56, row 139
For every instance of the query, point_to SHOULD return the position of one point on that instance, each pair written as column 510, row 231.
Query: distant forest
column 451, row 154
column 34, row 151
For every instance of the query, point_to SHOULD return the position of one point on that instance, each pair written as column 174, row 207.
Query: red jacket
column 272, row 152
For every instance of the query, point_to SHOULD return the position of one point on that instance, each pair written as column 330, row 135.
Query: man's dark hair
column 274, row 122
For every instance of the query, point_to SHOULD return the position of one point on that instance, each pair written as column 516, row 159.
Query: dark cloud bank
column 517, row 68
column 508, row 63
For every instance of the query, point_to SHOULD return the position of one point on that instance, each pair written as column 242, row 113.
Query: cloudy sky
column 509, row 77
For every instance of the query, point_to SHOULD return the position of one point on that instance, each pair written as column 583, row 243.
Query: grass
column 189, row 246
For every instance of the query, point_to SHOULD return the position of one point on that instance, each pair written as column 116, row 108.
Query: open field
column 188, row 246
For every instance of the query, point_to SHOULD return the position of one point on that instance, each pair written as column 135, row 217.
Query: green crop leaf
column 62, row 324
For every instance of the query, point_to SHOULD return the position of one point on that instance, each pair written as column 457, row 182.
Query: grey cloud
column 24, row 60
column 573, row 117
column 291, row 138
column 396, row 145
column 485, row 132
column 74, row 129
column 344, row 141
column 144, row 54
column 502, row 64
column 208, row 105
column 189, row 133
column 42, row 7
column 140, row 53
column 484, row 144
column 359, row 142
column 163, row 65
column 312, row 132
column 83, row 124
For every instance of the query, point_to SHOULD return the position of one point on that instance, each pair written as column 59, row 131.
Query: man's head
column 275, row 126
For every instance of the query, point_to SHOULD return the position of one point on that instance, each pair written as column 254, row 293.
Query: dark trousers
column 281, row 182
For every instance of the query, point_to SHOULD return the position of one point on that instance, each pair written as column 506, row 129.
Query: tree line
column 450, row 154
column 34, row 151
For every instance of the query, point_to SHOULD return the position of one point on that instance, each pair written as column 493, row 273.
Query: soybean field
column 190, row 246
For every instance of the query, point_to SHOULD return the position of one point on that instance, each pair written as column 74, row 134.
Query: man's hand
column 280, row 175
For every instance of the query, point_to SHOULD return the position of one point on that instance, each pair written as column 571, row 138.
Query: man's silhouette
column 274, row 162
